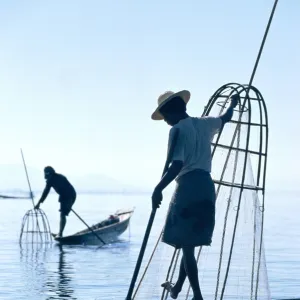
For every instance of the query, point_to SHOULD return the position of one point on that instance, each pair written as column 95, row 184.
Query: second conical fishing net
column 234, row 266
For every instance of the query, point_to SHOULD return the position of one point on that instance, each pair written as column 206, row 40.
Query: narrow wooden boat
column 108, row 230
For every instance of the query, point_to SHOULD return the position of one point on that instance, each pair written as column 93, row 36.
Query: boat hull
column 109, row 234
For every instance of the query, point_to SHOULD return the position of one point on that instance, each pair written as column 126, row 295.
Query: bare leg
column 181, row 277
column 176, row 289
column 191, row 268
column 62, row 224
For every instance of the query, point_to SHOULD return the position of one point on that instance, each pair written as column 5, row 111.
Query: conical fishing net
column 234, row 266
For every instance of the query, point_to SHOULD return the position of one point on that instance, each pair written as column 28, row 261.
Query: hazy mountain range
column 13, row 181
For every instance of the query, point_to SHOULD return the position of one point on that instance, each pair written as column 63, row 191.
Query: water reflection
column 44, row 280
column 60, row 286
column 33, row 254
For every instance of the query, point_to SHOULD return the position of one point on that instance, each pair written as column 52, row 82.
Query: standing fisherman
column 191, row 217
column 66, row 192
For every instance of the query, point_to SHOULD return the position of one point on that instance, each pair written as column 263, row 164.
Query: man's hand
column 37, row 206
column 234, row 100
column 156, row 198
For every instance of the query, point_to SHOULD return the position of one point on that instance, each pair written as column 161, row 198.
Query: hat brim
column 184, row 95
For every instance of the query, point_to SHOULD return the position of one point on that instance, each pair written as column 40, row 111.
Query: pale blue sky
column 79, row 79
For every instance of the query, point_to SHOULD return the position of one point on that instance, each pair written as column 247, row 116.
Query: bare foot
column 171, row 289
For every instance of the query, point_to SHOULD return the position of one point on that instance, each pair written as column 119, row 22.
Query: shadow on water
column 38, row 261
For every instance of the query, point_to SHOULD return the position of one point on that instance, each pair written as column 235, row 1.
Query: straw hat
column 165, row 98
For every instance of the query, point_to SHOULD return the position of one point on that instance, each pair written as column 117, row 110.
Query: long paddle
column 27, row 176
column 149, row 226
column 99, row 238
column 31, row 194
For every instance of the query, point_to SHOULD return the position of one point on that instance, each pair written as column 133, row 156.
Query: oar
column 149, row 226
column 99, row 238
column 27, row 176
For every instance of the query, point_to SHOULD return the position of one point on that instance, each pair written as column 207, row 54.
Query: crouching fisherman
column 66, row 192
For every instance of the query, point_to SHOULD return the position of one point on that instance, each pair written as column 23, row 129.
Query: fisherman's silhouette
column 66, row 192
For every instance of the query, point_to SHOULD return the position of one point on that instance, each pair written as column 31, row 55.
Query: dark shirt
column 61, row 185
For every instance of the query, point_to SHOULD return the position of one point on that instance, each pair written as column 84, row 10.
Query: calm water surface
column 51, row 272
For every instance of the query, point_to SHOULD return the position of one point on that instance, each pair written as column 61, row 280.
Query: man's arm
column 44, row 195
column 227, row 116
column 170, row 175
column 175, row 157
